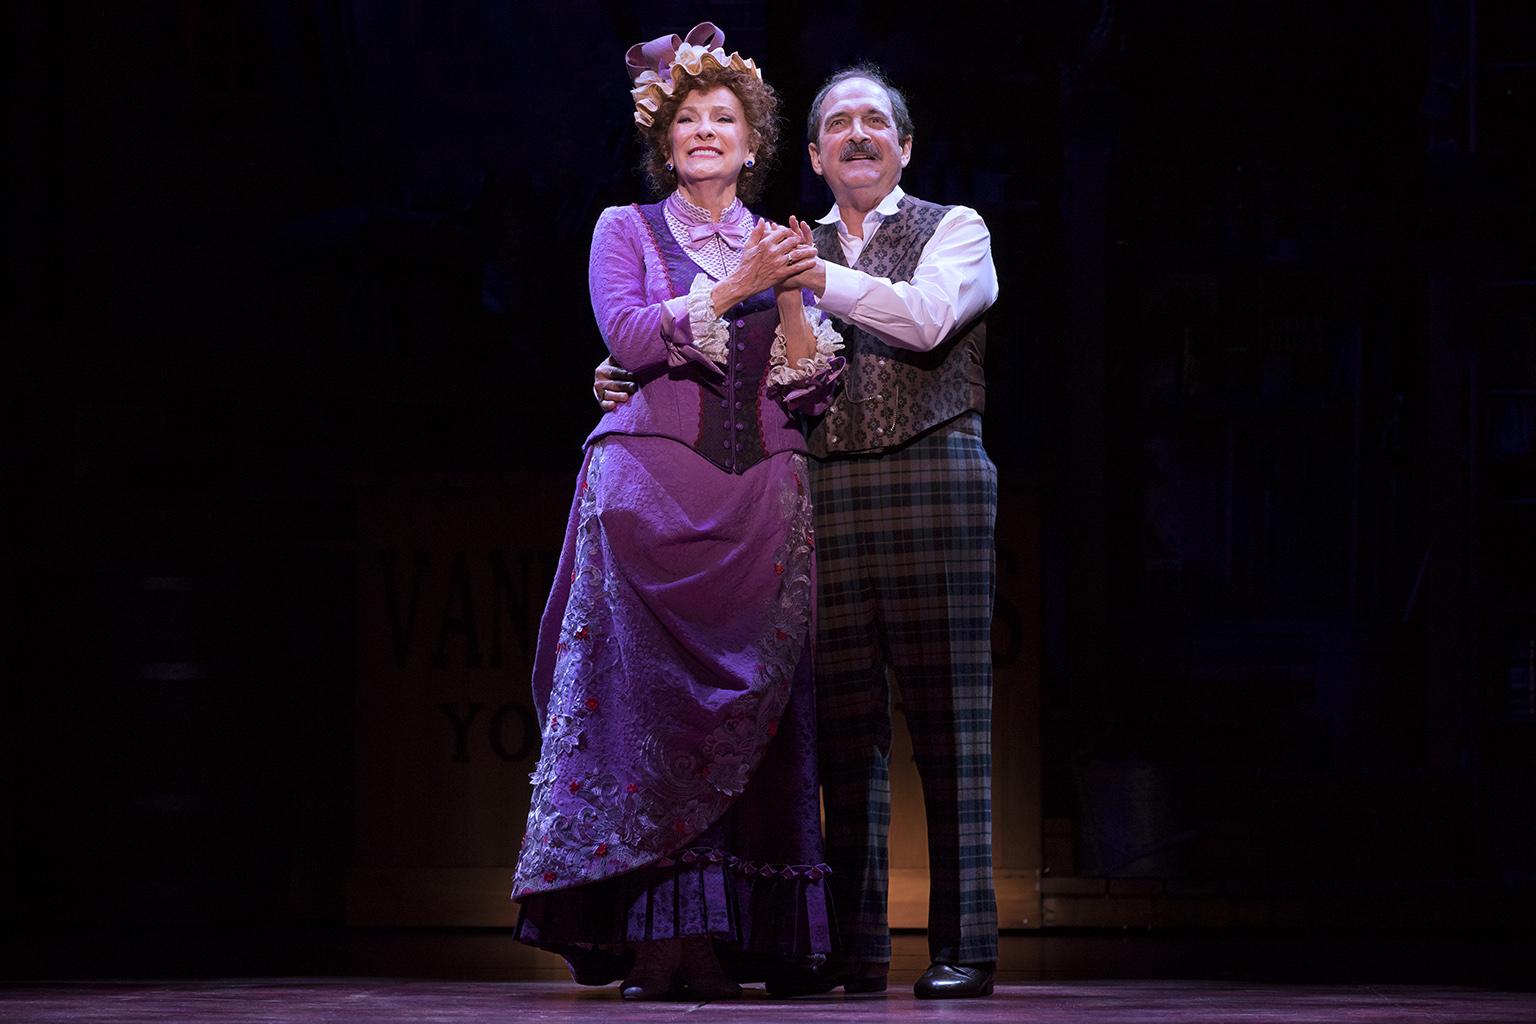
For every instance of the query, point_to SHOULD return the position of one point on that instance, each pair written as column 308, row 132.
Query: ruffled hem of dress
column 775, row 910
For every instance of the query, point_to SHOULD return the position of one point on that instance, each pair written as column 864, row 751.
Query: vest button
column 741, row 426
column 725, row 444
column 832, row 438
column 741, row 323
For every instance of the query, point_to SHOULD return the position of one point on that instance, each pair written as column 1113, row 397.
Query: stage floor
column 384, row 1001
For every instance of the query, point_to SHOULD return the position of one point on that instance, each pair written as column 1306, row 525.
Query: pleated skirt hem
column 775, row 911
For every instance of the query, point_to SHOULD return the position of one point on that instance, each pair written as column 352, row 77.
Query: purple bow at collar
column 733, row 233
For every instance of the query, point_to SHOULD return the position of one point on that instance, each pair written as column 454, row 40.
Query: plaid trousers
column 906, row 579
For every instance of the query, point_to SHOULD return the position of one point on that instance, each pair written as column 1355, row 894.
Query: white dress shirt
column 953, row 283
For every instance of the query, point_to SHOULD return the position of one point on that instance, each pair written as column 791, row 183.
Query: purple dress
column 676, row 788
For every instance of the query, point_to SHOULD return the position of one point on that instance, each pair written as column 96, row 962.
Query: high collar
column 690, row 214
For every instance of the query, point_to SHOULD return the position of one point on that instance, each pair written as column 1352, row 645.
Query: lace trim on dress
column 711, row 334
column 586, row 823
column 828, row 344
column 710, row 855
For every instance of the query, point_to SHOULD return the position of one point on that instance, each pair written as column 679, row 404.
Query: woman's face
column 710, row 137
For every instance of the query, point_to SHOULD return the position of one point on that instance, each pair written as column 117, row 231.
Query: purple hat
column 654, row 66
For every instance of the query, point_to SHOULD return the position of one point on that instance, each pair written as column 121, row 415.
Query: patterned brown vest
column 890, row 395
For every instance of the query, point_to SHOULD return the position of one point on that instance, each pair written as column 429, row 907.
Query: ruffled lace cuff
column 807, row 387
column 828, row 344
column 711, row 334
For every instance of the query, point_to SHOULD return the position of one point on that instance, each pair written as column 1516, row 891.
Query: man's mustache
column 859, row 147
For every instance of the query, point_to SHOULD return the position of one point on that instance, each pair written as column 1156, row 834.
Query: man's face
column 857, row 150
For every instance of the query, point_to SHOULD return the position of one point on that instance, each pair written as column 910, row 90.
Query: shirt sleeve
column 955, row 282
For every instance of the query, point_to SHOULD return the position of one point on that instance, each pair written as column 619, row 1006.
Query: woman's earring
column 670, row 168
column 751, row 163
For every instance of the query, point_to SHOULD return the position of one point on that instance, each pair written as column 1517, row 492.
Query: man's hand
column 611, row 385
column 814, row 279
column 813, row 276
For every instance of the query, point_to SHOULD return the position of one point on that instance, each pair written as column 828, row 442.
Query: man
column 905, row 500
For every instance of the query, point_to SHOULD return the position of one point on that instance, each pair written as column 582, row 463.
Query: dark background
column 1266, row 353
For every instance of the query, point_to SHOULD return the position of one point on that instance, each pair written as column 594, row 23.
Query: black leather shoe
column 853, row 978
column 955, row 981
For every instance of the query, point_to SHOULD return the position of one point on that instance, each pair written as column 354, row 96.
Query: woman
column 674, row 811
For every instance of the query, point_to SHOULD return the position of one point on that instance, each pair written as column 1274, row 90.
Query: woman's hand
column 801, row 258
column 772, row 254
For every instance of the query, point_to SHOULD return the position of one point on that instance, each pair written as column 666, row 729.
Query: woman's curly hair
column 758, row 101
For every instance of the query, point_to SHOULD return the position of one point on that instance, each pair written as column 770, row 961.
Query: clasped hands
column 774, row 256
